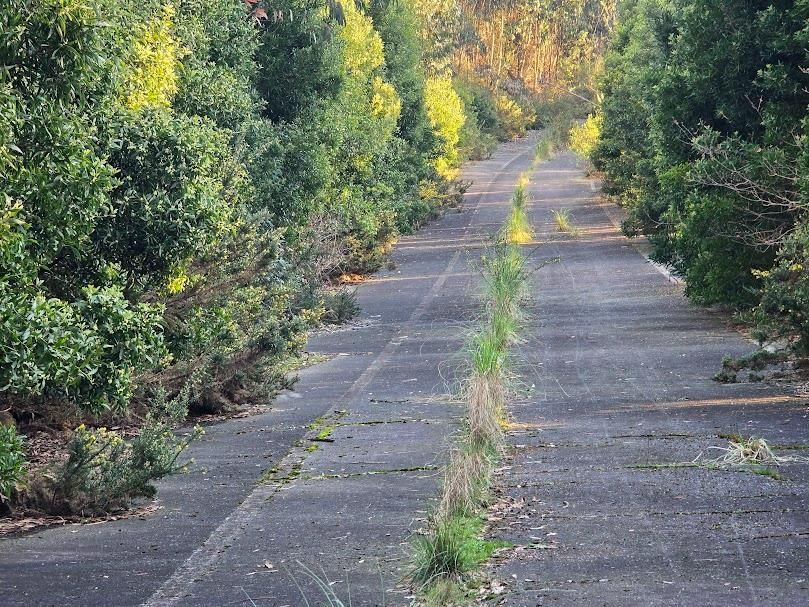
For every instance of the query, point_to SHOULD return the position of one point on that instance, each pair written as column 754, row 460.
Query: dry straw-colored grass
column 750, row 452
column 466, row 479
column 485, row 397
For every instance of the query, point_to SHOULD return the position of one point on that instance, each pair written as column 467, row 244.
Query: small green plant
column 339, row 306
column 12, row 461
column 726, row 376
column 104, row 472
column 543, row 150
column 564, row 222
column 756, row 361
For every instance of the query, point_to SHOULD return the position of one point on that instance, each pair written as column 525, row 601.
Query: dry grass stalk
column 486, row 400
column 465, row 479
column 751, row 452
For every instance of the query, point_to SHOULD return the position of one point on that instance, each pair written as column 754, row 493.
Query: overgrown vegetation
column 181, row 179
column 12, row 462
column 704, row 141
column 454, row 545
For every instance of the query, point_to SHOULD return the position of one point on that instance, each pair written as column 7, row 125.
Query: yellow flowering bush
column 445, row 111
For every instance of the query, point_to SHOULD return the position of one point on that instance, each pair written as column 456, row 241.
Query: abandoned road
column 338, row 474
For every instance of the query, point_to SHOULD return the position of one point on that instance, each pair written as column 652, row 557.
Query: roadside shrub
column 479, row 134
column 784, row 307
column 12, row 462
column 339, row 306
column 445, row 110
column 513, row 119
column 104, row 472
column 86, row 352
column 176, row 194
column 584, row 137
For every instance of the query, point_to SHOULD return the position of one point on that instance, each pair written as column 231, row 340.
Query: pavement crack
column 325, row 476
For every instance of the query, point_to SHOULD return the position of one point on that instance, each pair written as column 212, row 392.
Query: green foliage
column 712, row 177
column 150, row 70
column 584, row 137
column 450, row 550
column 445, row 110
column 513, row 119
column 85, row 351
column 12, row 461
column 104, row 472
column 783, row 310
column 479, row 134
column 173, row 209
column 505, row 275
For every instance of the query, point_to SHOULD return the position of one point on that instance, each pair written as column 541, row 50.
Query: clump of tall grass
column 466, row 482
column 485, row 389
column 564, row 222
column 486, row 409
column 518, row 229
column 452, row 548
column 505, row 283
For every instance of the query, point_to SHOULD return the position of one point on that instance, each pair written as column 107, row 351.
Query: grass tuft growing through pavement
column 564, row 222
column 451, row 549
column 518, row 229
column 505, row 279
column 752, row 451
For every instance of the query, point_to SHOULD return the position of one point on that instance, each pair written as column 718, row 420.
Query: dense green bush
column 178, row 180
column 784, row 307
column 12, row 462
column 703, row 140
